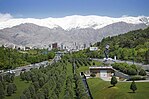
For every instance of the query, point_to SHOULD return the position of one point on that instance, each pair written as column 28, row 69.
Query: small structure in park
column 102, row 72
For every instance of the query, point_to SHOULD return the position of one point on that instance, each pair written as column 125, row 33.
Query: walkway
column 146, row 67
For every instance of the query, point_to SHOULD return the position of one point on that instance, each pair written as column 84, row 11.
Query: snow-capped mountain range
column 75, row 21
column 68, row 30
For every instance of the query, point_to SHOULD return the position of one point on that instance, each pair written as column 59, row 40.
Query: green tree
column 4, row 84
column 23, row 96
column 1, row 78
column 94, row 63
column 10, row 89
column 40, row 95
column 133, row 86
column 36, row 85
column 12, row 78
column 92, row 75
column 51, row 55
column 41, row 82
column 35, row 96
column 46, row 92
column 7, row 77
column 27, row 76
column 132, row 71
column 34, row 78
column 32, row 90
column 147, row 55
column 22, row 76
column 2, row 91
column 142, row 72
column 28, row 95
column 113, row 81
column 14, row 87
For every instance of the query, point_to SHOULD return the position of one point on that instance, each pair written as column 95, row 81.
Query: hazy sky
column 61, row 8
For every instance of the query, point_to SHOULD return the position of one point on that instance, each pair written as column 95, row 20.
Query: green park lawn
column 21, row 85
column 83, row 68
column 102, row 90
column 86, row 68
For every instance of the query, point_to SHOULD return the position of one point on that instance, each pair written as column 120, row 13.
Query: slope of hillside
column 133, row 45
column 29, row 34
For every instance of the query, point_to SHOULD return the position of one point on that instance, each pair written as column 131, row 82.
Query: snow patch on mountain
column 75, row 21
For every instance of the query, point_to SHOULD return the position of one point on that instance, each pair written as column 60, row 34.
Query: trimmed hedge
column 136, row 78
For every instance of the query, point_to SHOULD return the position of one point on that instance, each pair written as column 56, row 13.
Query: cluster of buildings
column 13, row 46
column 72, row 47
column 67, row 47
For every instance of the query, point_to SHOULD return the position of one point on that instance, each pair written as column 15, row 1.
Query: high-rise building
column 54, row 45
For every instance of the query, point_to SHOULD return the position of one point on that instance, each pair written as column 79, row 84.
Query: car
column 1, row 71
column 23, row 69
column 110, row 59
column 30, row 65
column 11, row 71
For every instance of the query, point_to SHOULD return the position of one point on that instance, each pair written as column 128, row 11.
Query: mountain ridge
column 75, row 21
column 30, row 34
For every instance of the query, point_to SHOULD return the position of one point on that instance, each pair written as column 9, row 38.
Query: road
column 18, row 70
column 146, row 67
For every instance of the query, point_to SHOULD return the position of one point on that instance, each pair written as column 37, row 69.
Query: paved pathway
column 146, row 67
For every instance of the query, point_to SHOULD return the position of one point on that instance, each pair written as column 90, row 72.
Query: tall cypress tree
column 2, row 91
column 133, row 86
column 10, row 89
column 23, row 96
column 113, row 80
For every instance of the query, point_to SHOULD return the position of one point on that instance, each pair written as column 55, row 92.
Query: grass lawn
column 21, row 85
column 86, row 68
column 97, row 63
column 83, row 68
column 101, row 90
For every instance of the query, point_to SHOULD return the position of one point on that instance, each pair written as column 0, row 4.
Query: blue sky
column 61, row 8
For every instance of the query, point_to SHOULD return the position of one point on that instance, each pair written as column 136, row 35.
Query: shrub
column 93, row 63
column 136, row 78
column 142, row 72
column 133, row 66
column 113, row 81
column 132, row 71
column 92, row 75
column 133, row 87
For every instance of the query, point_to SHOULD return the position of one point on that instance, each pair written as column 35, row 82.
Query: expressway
column 18, row 70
